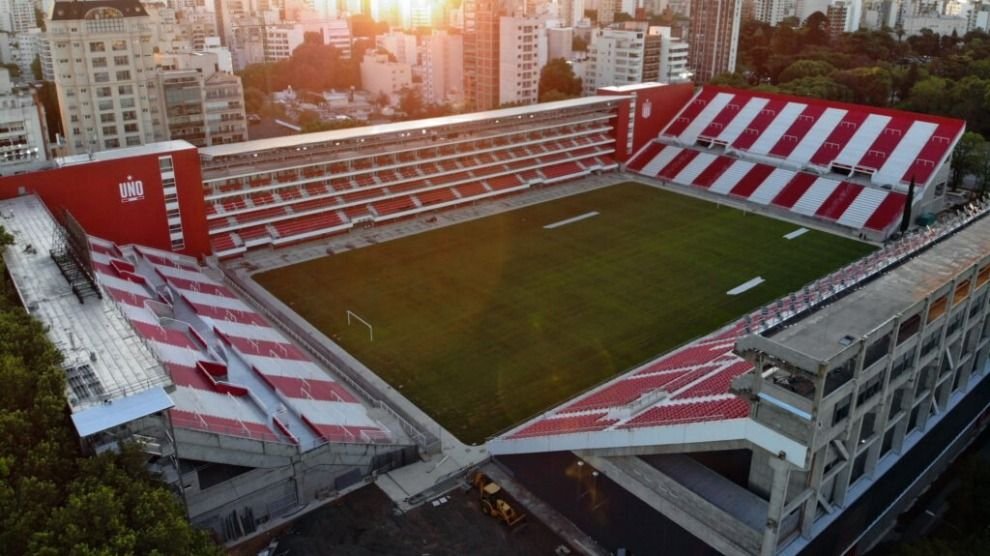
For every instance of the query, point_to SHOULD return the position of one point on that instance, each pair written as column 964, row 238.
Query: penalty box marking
column 746, row 286
column 571, row 220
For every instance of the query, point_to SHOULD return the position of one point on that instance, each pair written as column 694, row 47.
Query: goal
column 371, row 329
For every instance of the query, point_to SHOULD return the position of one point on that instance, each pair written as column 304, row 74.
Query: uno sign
column 131, row 190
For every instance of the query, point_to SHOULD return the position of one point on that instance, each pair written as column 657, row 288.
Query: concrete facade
column 105, row 75
column 865, row 378
column 23, row 136
column 623, row 54
column 714, row 37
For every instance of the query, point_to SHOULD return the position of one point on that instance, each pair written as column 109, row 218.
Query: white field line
column 746, row 286
column 796, row 233
column 570, row 220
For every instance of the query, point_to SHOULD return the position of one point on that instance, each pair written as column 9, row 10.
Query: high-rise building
column 622, row 54
column 843, row 16
column 201, row 104
column 674, row 54
column 102, row 52
column 773, row 11
column 606, row 11
column 522, row 54
column 481, row 53
column 443, row 69
column 17, row 16
column 381, row 76
column 714, row 37
column 23, row 137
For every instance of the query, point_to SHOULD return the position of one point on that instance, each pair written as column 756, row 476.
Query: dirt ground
column 363, row 523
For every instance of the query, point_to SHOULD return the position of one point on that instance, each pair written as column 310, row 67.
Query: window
column 125, row 89
column 133, row 140
column 123, row 75
column 165, row 165
column 104, row 92
column 98, row 62
column 105, row 105
column 120, row 60
column 109, row 130
column 130, row 128
column 107, row 118
column 119, row 45
column 129, row 115
column 127, row 103
column 111, row 143
column 908, row 328
column 97, row 47
column 101, row 77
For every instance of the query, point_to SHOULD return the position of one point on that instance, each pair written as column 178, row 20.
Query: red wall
column 91, row 192
column 664, row 102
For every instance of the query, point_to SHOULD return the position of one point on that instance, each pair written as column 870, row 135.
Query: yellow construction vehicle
column 494, row 501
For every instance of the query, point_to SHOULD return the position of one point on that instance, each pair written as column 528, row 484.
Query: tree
column 817, row 87
column 558, row 76
column 13, row 69
column 816, row 29
column 729, row 80
column 966, row 157
column 579, row 44
column 411, row 102
column 49, row 100
column 52, row 499
column 805, row 68
column 621, row 17
column 254, row 100
column 868, row 85
column 36, row 69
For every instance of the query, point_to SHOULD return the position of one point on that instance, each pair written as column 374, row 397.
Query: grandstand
column 830, row 163
column 229, row 366
column 286, row 190
column 168, row 356
column 795, row 428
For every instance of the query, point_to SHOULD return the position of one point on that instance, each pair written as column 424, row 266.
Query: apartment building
column 102, row 56
column 623, row 54
column 23, row 137
column 714, row 37
column 522, row 54
column 201, row 104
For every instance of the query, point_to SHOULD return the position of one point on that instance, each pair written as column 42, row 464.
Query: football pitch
column 486, row 323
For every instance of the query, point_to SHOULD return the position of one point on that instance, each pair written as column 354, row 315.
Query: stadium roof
column 821, row 335
column 249, row 147
column 890, row 146
column 104, row 358
column 633, row 87
column 160, row 147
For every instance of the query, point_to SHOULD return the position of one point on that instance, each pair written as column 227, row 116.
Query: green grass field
column 486, row 323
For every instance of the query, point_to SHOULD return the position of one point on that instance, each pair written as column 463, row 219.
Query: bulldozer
column 494, row 501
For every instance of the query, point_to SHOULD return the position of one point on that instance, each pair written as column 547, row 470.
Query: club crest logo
column 131, row 190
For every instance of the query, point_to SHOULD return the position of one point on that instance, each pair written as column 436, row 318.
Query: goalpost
column 371, row 329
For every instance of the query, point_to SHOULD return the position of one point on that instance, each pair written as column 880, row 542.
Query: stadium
column 743, row 311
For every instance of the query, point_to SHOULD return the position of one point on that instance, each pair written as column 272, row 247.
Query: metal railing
column 859, row 271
